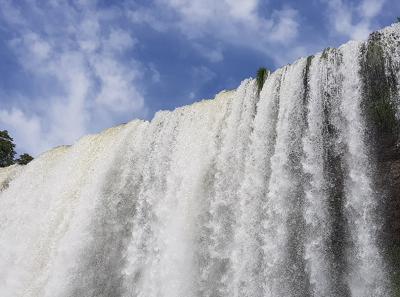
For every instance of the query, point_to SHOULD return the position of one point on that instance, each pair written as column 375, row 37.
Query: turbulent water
column 244, row 195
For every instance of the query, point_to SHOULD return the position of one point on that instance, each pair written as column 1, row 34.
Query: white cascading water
column 245, row 195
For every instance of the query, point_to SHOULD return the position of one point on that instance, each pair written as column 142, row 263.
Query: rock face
column 380, row 71
column 390, row 169
column 389, row 178
column 291, row 191
column 394, row 182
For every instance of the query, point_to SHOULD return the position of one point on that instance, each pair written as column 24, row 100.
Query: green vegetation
column 325, row 52
column 262, row 74
column 398, row 19
column 306, row 77
column 384, row 114
column 7, row 151
column 394, row 257
column 308, row 62
column 379, row 88
column 380, row 92
column 24, row 159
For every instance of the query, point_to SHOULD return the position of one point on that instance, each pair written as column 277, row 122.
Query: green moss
column 379, row 93
column 306, row 86
column 394, row 258
column 262, row 74
column 309, row 60
column 384, row 115
column 307, row 72
column 325, row 53
column 379, row 88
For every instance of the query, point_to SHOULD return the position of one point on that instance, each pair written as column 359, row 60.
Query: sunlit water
column 242, row 195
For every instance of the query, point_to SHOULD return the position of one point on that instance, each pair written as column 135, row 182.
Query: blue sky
column 69, row 68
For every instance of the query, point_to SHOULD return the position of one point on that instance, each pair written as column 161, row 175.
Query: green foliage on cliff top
column 7, row 151
column 380, row 87
column 262, row 74
column 24, row 159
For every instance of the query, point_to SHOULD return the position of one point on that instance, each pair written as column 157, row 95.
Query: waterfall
column 270, row 194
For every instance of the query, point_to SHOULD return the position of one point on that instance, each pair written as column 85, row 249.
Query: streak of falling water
column 367, row 277
column 284, row 191
column 248, row 255
column 316, row 205
column 227, row 175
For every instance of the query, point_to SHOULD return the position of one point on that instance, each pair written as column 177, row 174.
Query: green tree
column 24, row 159
column 7, row 149
column 398, row 19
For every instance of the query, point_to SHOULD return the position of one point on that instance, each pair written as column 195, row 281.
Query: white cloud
column 226, row 19
column 285, row 26
column 205, row 11
column 155, row 74
column 225, row 22
column 11, row 14
column 144, row 15
column 79, row 48
column 354, row 21
column 192, row 95
column 213, row 54
column 29, row 128
column 244, row 10
column 88, row 35
column 117, row 86
column 214, row 27
column 119, row 41
column 371, row 8
column 39, row 48
column 202, row 74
